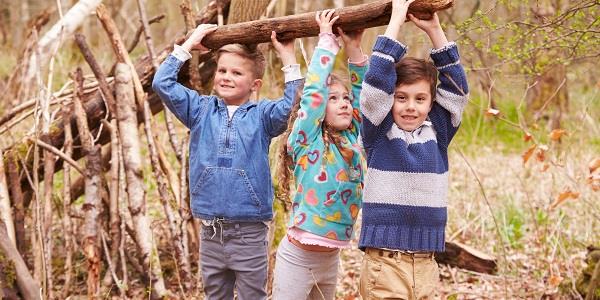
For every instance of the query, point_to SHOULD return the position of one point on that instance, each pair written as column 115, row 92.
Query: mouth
column 408, row 118
column 344, row 114
column 224, row 86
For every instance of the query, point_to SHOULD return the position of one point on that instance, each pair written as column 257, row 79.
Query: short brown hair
column 250, row 53
column 410, row 70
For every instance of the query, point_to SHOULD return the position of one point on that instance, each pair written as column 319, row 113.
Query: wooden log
column 28, row 287
column 367, row 15
column 93, row 184
column 468, row 258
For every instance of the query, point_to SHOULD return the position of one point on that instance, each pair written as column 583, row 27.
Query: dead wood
column 28, row 287
column 367, row 15
column 468, row 258
column 93, row 185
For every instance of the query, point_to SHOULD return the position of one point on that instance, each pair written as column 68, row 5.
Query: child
column 407, row 127
column 230, row 181
column 328, row 165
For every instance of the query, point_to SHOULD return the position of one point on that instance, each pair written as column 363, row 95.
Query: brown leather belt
column 396, row 253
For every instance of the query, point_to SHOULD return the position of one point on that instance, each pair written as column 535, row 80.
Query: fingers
column 274, row 38
column 325, row 16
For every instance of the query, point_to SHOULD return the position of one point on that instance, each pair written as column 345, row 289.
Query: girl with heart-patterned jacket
column 323, row 152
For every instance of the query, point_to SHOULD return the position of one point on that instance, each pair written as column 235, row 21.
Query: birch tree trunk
column 5, row 207
column 93, row 186
column 29, row 288
column 131, row 148
column 60, row 31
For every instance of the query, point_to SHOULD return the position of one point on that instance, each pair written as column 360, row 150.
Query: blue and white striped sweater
column 406, row 186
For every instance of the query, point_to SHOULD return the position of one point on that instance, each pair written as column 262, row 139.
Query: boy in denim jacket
column 230, row 181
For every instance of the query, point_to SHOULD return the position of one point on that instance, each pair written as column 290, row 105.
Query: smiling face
column 412, row 103
column 235, row 80
column 338, row 113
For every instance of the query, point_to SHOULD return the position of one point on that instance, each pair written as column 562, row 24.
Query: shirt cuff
column 180, row 53
column 328, row 42
column 291, row 72
column 360, row 63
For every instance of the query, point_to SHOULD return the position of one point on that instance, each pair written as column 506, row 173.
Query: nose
column 410, row 105
column 344, row 105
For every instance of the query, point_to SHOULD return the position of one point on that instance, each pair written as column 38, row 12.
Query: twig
column 97, row 70
column 140, row 30
column 66, row 219
column 146, row 26
column 59, row 154
column 487, row 202
column 110, row 265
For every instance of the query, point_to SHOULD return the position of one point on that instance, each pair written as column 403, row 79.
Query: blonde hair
column 285, row 166
column 249, row 52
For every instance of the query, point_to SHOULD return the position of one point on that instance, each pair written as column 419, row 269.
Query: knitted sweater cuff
column 446, row 55
column 390, row 47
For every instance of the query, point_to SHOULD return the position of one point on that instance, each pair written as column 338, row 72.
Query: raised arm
column 377, row 96
column 357, row 66
column 452, row 90
column 313, row 102
column 276, row 113
column 185, row 103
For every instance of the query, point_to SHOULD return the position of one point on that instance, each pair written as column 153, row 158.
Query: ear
column 256, row 85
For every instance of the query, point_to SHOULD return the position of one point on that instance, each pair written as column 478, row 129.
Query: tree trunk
column 62, row 30
column 5, row 207
column 66, row 219
column 129, row 137
column 93, row 186
column 29, row 288
column 244, row 11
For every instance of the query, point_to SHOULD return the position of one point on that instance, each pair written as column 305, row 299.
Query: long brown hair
column 285, row 165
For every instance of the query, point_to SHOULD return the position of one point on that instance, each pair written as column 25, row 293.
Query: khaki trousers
column 398, row 275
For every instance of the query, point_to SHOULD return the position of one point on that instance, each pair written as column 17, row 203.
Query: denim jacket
column 229, row 164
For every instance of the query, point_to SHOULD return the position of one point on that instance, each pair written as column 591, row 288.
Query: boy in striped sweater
column 408, row 124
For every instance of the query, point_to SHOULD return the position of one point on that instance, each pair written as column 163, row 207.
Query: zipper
column 229, row 120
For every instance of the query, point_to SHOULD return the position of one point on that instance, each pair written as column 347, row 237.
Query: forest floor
column 540, row 248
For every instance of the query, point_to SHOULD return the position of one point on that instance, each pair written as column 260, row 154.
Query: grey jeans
column 234, row 255
column 301, row 274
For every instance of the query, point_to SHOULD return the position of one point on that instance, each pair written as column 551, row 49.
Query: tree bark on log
column 130, row 144
column 93, row 185
column 351, row 18
column 28, row 287
column 63, row 28
column 5, row 207
column 465, row 257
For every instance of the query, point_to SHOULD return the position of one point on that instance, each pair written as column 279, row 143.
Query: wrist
column 187, row 46
column 288, row 59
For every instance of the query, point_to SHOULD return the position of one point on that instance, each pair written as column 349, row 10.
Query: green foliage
column 512, row 224
column 529, row 44
column 477, row 129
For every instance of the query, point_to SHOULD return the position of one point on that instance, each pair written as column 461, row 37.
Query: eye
column 221, row 71
column 347, row 99
column 401, row 98
column 421, row 99
column 238, row 73
column 332, row 99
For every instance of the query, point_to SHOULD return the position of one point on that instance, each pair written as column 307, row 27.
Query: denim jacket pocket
column 225, row 192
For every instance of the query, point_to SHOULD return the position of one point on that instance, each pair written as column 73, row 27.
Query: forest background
column 525, row 165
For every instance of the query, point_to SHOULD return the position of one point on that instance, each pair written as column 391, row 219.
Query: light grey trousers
column 301, row 274
column 234, row 255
